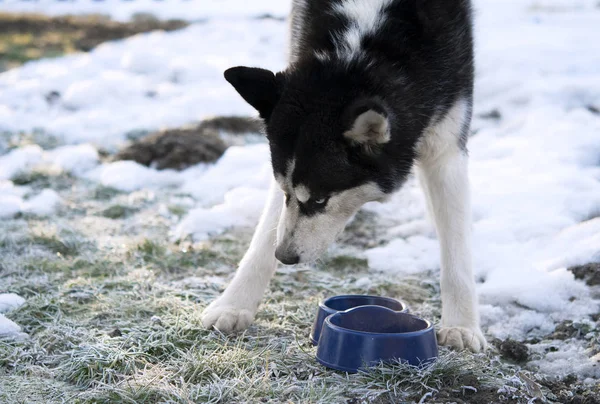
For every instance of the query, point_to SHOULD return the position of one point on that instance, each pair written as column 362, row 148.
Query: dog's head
column 330, row 149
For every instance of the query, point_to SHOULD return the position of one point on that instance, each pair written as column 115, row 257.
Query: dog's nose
column 286, row 257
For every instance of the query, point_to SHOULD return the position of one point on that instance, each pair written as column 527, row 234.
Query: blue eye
column 320, row 201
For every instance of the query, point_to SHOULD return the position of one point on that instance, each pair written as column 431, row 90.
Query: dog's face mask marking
column 307, row 228
column 328, row 151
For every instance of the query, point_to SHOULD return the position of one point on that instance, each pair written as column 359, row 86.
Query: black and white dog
column 373, row 89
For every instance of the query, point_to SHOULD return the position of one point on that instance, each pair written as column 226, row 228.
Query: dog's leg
column 235, row 309
column 442, row 169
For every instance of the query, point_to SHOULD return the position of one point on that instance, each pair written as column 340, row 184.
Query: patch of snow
column 8, row 327
column 74, row 159
column 565, row 359
column 10, row 205
column 240, row 166
column 123, row 10
column 10, row 301
column 19, row 160
column 412, row 255
column 363, row 283
column 130, row 176
column 231, row 192
column 43, row 204
column 241, row 207
column 12, row 201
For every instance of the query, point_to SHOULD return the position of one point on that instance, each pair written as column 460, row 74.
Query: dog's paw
column 462, row 338
column 226, row 317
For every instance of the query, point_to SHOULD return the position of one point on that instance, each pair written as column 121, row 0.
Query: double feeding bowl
column 358, row 331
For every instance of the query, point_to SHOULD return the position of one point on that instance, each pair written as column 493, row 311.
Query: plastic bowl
column 366, row 335
column 336, row 304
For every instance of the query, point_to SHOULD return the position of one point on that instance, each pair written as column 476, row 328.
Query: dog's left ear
column 259, row 87
column 367, row 124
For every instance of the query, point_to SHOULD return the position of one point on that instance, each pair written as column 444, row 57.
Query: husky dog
column 373, row 89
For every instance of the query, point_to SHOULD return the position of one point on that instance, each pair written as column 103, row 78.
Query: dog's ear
column 366, row 123
column 259, row 87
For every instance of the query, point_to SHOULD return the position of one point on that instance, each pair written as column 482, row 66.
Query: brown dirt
column 183, row 147
column 175, row 148
column 512, row 350
column 565, row 330
column 588, row 272
column 232, row 124
column 569, row 391
column 25, row 37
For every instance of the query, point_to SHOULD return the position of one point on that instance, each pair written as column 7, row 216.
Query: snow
column 18, row 199
column 411, row 255
column 566, row 359
column 130, row 176
column 535, row 174
column 240, row 166
column 241, row 207
column 123, row 10
column 8, row 327
column 74, row 159
column 10, row 205
column 147, row 81
column 19, row 160
column 43, row 204
column 8, row 302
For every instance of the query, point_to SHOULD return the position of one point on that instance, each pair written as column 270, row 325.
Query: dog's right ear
column 367, row 124
column 259, row 87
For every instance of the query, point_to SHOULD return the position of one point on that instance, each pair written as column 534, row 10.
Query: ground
column 115, row 260
column 113, row 315
column 25, row 37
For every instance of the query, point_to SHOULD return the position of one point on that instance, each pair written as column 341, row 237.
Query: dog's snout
column 287, row 257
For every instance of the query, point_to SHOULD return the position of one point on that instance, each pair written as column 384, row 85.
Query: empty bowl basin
column 364, row 336
column 335, row 304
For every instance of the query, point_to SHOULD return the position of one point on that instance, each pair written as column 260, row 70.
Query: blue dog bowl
column 364, row 336
column 335, row 304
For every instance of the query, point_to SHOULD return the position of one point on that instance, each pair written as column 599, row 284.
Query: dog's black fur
column 414, row 67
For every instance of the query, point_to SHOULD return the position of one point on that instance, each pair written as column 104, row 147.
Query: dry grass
column 25, row 37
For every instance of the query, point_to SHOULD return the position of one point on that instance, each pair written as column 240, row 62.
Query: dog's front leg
column 235, row 309
column 443, row 171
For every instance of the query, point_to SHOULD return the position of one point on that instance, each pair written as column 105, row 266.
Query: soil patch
column 25, row 37
column 590, row 273
column 183, row 147
column 568, row 390
column 512, row 350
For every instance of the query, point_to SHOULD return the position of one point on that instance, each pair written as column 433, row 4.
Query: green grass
column 55, row 244
column 103, row 193
column 118, row 211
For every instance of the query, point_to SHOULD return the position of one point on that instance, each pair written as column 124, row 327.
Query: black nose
column 287, row 258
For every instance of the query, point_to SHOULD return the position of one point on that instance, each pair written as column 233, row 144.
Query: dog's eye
column 320, row 201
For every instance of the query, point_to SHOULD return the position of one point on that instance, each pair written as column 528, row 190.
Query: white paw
column 227, row 317
column 462, row 338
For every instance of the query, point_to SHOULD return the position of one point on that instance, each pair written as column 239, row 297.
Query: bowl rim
column 429, row 325
column 323, row 303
